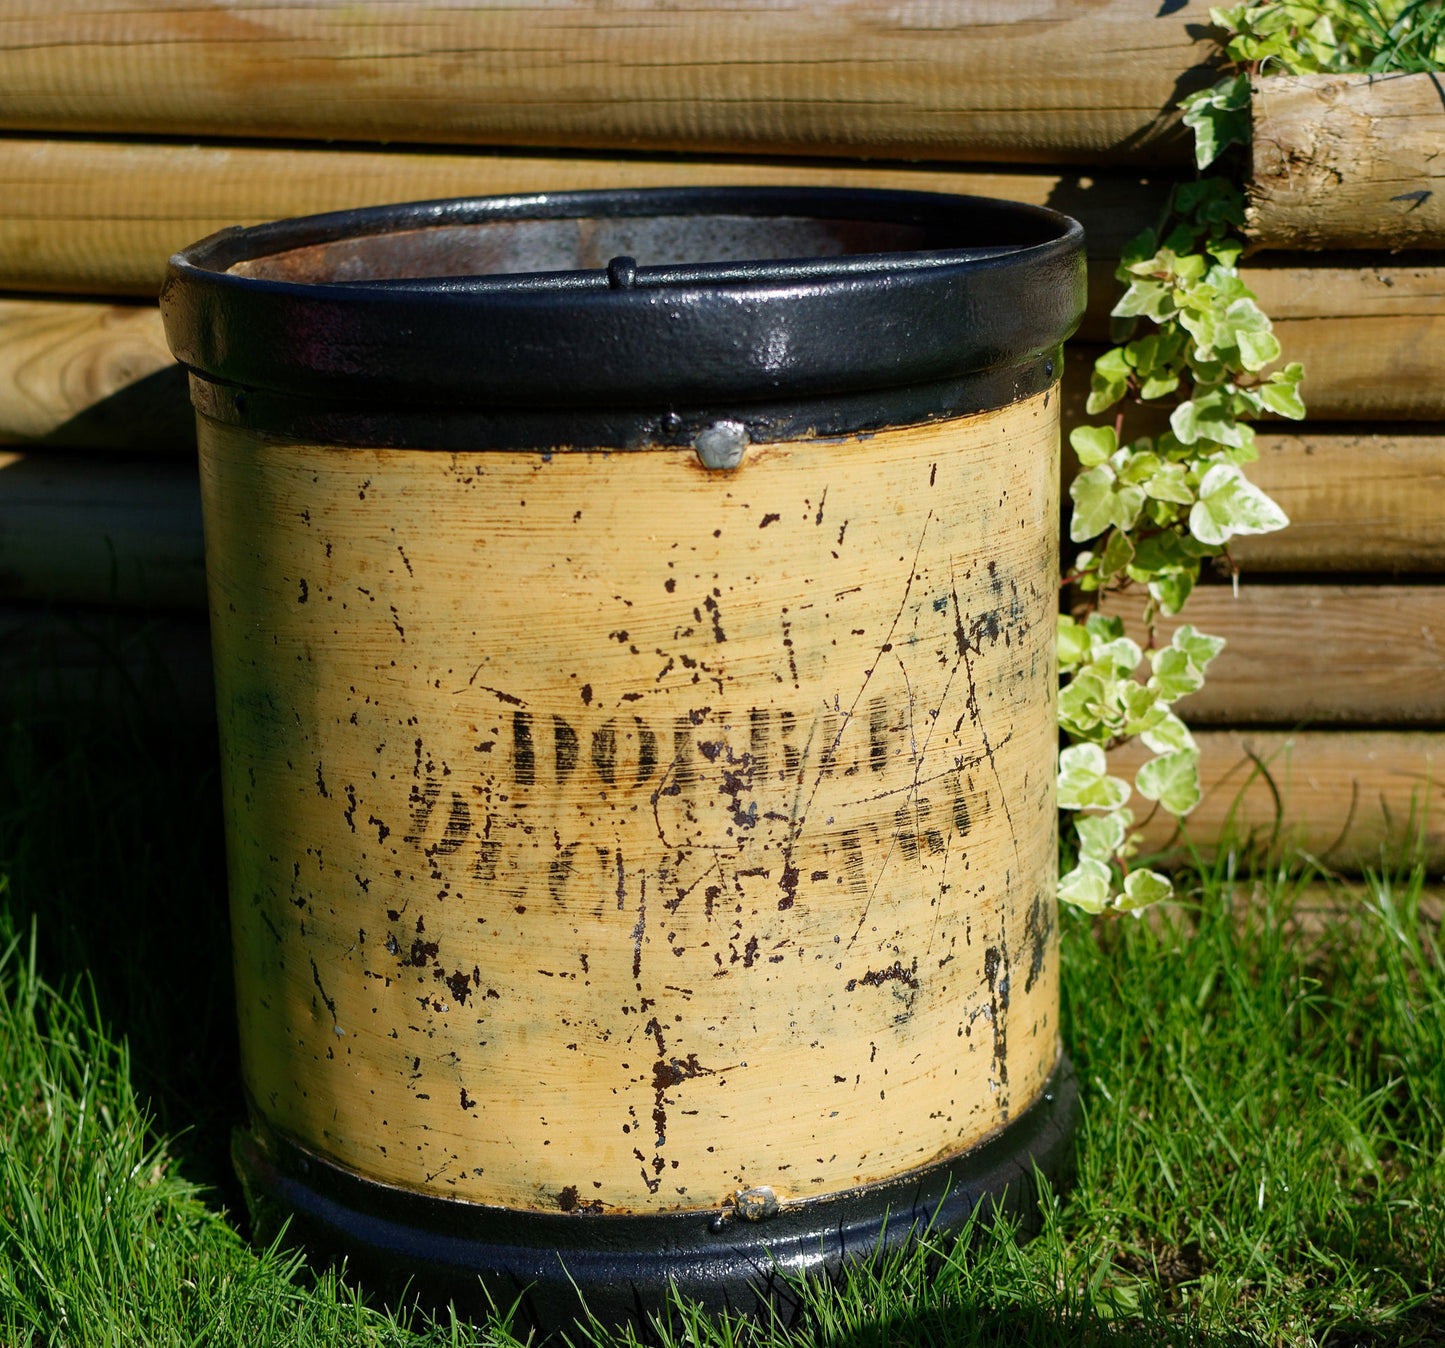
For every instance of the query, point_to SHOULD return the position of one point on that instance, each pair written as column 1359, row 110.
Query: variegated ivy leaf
column 1280, row 393
column 1146, row 299
column 1168, row 483
column 1135, row 466
column 1157, row 385
column 1199, row 646
column 1141, row 707
column 1169, row 735
column 1093, row 444
column 1219, row 117
column 1225, row 251
column 1120, row 654
column 1102, row 836
column 1207, row 416
column 1142, row 888
column 1101, row 502
column 1174, row 674
column 1118, row 553
column 1105, row 626
column 1172, row 779
column 1083, row 705
column 1087, row 886
column 1230, row 504
column 1084, row 782
column 1109, row 380
column 1172, row 592
column 1073, row 642
column 1244, row 327
column 1257, row 349
column 1215, row 201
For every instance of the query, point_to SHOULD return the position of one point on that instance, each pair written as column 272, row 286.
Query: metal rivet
column 622, row 273
column 755, row 1204
column 722, row 444
column 718, row 1224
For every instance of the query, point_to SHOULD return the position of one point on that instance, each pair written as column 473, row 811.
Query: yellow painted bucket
column 633, row 617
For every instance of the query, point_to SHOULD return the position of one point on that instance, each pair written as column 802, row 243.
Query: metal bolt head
column 721, row 445
column 755, row 1204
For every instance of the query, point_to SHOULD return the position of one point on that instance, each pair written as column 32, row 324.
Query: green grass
column 1262, row 1160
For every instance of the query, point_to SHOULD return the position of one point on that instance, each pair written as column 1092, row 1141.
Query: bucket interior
column 502, row 247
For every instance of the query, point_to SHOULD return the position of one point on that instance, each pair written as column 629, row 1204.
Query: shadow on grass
column 110, row 833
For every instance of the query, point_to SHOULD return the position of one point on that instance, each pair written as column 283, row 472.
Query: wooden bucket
column 633, row 623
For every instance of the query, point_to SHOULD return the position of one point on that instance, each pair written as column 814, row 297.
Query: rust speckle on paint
column 996, row 975
column 460, row 985
column 876, row 978
column 1038, row 931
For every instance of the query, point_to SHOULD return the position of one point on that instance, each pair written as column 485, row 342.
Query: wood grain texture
column 87, row 373
column 101, row 218
column 580, row 806
column 76, row 529
column 1350, row 799
column 1348, row 161
column 1371, row 336
column 1358, row 499
column 1041, row 80
column 1299, row 654
column 1370, row 333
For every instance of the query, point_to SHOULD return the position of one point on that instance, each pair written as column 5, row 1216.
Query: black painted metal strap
column 962, row 318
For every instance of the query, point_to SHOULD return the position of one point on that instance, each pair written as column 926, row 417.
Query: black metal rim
column 623, row 1266
column 999, row 288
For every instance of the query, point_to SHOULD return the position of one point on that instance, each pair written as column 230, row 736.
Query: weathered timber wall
column 1036, row 80
column 1355, row 654
column 1359, row 498
column 1348, row 161
column 1351, row 799
column 102, row 217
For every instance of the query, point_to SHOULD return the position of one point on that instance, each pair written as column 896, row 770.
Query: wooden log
column 1362, row 497
column 1358, row 498
column 1347, row 161
column 1046, row 81
column 82, row 530
column 101, row 218
column 73, row 661
column 1371, row 336
column 1311, row 654
column 90, row 375
column 1349, row 799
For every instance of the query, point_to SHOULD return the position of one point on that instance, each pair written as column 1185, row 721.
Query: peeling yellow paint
column 607, row 834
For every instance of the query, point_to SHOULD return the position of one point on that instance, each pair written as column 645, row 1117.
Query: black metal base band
column 621, row 1267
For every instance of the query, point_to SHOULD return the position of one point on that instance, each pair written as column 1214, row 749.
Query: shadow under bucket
column 633, row 622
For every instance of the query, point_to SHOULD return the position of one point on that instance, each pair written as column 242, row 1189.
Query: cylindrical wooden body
column 607, row 832
column 637, row 703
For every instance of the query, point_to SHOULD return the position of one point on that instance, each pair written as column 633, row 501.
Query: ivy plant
column 1151, row 509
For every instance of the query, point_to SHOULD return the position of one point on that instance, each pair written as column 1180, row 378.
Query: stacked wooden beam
column 1321, row 726
column 129, row 131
